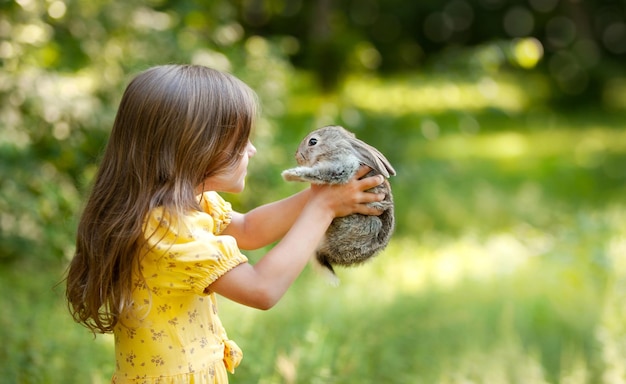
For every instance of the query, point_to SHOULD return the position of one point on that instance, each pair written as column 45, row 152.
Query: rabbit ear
column 372, row 157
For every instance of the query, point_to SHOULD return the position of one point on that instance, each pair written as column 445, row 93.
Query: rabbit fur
column 332, row 155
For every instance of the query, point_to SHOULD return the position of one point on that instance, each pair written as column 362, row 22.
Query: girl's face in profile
column 232, row 180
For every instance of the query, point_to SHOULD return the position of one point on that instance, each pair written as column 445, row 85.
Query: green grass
column 491, row 310
column 40, row 342
column 507, row 265
column 525, row 307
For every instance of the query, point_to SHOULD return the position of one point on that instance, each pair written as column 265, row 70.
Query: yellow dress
column 174, row 334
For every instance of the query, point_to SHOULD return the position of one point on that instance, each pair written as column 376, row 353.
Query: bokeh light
column 527, row 52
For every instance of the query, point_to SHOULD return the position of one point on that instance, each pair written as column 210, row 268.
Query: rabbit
column 332, row 155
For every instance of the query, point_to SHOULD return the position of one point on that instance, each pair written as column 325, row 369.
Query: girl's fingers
column 369, row 197
column 368, row 210
column 352, row 197
column 362, row 171
column 371, row 182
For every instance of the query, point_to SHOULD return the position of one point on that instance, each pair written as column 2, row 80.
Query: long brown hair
column 175, row 126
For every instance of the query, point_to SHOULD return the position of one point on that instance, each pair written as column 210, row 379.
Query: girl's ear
column 372, row 157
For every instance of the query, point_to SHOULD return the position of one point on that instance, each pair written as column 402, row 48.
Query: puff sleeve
column 188, row 254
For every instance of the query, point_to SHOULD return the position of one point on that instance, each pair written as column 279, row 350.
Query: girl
column 156, row 242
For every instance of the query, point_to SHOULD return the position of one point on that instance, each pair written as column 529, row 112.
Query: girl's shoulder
column 214, row 217
column 219, row 209
column 212, row 201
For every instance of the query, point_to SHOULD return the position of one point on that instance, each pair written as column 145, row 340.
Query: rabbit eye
column 312, row 141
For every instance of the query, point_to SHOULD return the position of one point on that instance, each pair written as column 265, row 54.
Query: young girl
column 156, row 242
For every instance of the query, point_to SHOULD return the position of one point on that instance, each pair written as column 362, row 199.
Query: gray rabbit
column 332, row 155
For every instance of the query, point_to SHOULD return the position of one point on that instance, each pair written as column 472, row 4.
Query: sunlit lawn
column 506, row 267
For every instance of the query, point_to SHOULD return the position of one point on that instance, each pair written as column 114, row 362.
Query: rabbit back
column 352, row 240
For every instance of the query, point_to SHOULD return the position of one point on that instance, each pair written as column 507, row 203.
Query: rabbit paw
column 292, row 175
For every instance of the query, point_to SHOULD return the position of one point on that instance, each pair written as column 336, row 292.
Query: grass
column 40, row 342
column 446, row 311
column 507, row 264
column 524, row 307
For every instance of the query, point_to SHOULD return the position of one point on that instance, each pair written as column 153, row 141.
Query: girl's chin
column 237, row 188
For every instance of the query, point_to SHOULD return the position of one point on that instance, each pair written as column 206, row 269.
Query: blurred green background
column 504, row 120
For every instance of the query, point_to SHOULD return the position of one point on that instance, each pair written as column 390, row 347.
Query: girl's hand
column 345, row 199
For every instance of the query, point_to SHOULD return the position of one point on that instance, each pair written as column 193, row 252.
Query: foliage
column 64, row 66
column 582, row 42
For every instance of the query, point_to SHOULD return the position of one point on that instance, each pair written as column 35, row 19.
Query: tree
column 583, row 43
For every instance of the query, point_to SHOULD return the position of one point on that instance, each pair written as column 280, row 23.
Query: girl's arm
column 261, row 285
column 269, row 223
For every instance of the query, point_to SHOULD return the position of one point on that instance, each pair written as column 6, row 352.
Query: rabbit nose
column 300, row 158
